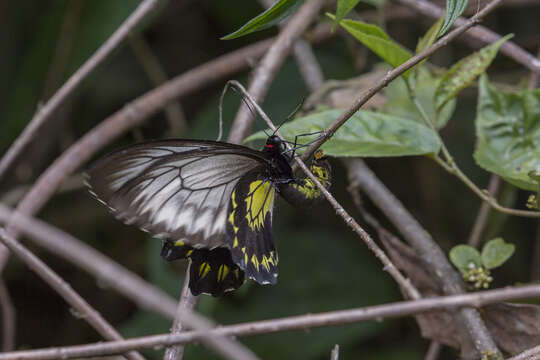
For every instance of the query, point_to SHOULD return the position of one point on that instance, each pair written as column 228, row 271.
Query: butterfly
column 211, row 202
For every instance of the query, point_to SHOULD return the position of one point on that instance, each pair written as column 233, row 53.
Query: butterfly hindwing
column 174, row 189
column 213, row 272
column 249, row 227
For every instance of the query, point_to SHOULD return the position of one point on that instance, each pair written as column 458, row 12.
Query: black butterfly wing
column 176, row 189
column 249, row 227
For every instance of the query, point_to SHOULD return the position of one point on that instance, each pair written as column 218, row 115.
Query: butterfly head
column 274, row 145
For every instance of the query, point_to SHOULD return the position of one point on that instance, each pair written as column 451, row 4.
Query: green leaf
column 399, row 102
column 377, row 41
column 454, row 8
column 271, row 16
column 463, row 255
column 465, row 71
column 366, row 133
column 495, row 253
column 429, row 38
column 508, row 133
column 343, row 8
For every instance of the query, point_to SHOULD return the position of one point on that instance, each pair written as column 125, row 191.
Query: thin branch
column 84, row 310
column 474, row 334
column 8, row 318
column 411, row 291
column 301, row 323
column 433, row 351
column 394, row 73
column 187, row 301
column 481, row 217
column 151, row 65
column 114, row 276
column 271, row 62
column 334, row 355
column 481, row 33
column 45, row 112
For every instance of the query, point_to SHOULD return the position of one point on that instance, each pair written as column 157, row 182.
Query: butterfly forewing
column 174, row 189
column 249, row 227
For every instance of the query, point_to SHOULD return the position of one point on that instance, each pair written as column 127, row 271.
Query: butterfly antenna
column 291, row 115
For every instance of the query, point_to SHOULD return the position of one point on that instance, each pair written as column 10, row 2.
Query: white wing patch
column 177, row 192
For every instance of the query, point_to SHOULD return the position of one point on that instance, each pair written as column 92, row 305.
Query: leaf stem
column 450, row 165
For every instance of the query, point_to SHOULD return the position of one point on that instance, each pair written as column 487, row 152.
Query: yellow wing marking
column 188, row 253
column 309, row 189
column 235, row 243
column 204, row 268
column 259, row 202
column 255, row 261
column 179, row 243
column 231, row 215
column 222, row 272
column 265, row 263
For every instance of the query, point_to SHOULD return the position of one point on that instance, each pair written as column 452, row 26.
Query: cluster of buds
column 477, row 277
column 533, row 202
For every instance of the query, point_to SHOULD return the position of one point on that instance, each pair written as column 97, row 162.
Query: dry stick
column 84, row 310
column 433, row 351
column 44, row 113
column 481, row 217
column 411, row 291
column 509, row 48
column 156, row 74
column 301, row 323
column 305, row 59
column 187, row 300
column 271, row 62
column 115, row 276
column 8, row 319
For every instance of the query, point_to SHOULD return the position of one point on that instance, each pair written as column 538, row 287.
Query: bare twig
column 115, row 276
column 394, row 73
column 305, row 59
column 433, row 351
column 509, row 48
column 451, row 282
column 301, row 322
column 84, row 310
column 271, row 62
column 75, row 80
column 156, row 74
column 481, row 217
column 8, row 318
column 334, row 355
column 187, row 301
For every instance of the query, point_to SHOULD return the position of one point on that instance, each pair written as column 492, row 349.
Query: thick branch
column 302, row 322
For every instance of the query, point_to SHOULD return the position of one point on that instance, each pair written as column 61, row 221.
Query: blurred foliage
column 322, row 265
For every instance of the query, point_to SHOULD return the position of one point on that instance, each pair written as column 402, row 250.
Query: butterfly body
column 212, row 202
